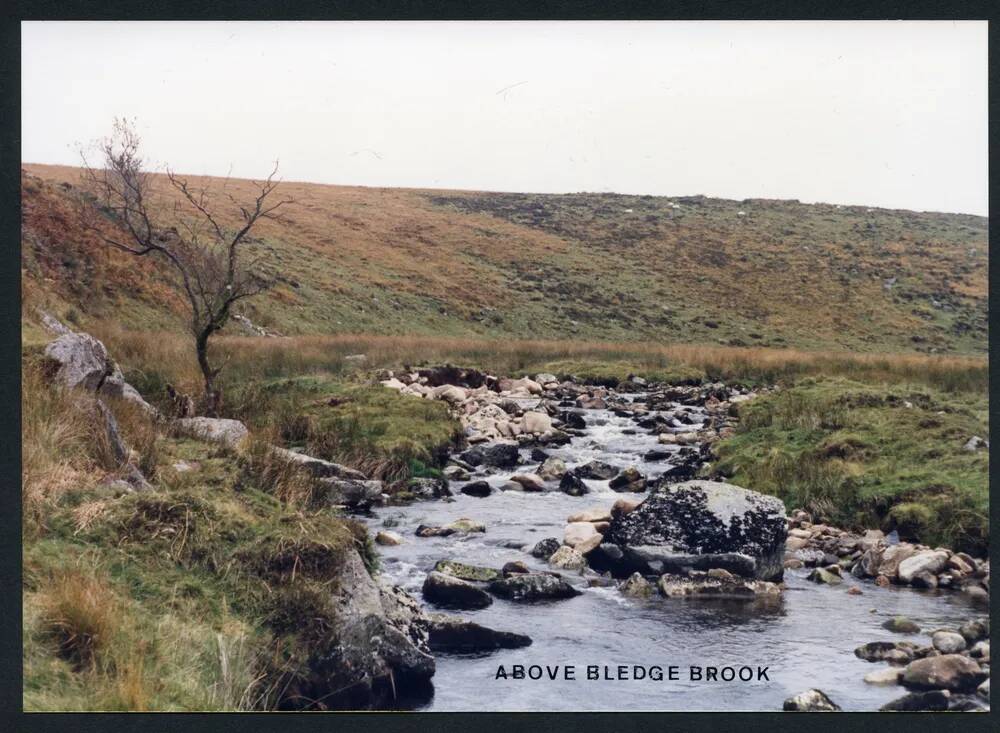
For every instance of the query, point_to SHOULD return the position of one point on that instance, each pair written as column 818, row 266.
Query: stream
column 805, row 640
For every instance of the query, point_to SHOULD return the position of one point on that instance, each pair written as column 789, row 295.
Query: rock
column 976, row 593
column 916, row 702
column 479, row 489
column 455, row 473
column 213, row 429
column 706, row 518
column 537, row 454
column 464, row 525
column 948, row 642
column 822, row 575
column 854, row 591
column 384, row 537
column 544, row 549
column 975, row 443
column 656, row 455
column 594, row 514
column 629, row 480
column 931, row 562
column 546, row 378
column 948, row 671
column 529, row 481
column 879, row 651
column 355, row 495
column 925, row 579
column 893, row 556
column 567, row 558
column 636, row 586
column 553, row 469
column 624, row 505
column 888, row 676
column 449, row 591
column 536, row 423
column 582, row 536
column 83, row 362
column 573, row 485
column 464, row 571
column 810, row 701
column 572, row 420
column 497, row 455
column 424, row 530
column 595, row 470
column 377, row 651
column 703, row 586
column 532, row 587
column 514, row 567
column 981, row 651
column 960, row 566
column 315, row 466
column 901, row 625
column 975, row 630
column 452, row 634
column 667, row 438
column 984, row 690
column 524, row 384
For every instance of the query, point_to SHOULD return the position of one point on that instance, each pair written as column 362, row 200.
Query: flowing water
column 806, row 640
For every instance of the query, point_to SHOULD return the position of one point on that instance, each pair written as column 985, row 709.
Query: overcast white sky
column 886, row 114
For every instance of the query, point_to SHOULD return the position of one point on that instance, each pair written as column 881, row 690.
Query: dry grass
column 170, row 358
column 280, row 477
column 57, row 449
column 83, row 615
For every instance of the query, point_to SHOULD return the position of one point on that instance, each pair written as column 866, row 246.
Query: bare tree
column 209, row 258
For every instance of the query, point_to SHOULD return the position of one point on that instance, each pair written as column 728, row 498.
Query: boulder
column 384, row 537
column 624, row 505
column 887, row 676
column 636, row 586
column 464, row 571
column 567, row 558
column 582, row 536
column 83, row 362
column 573, row 485
column 552, row 469
column 975, row 630
column 701, row 585
column 932, row 562
column 355, row 495
column 892, row 556
column 700, row 521
column 513, row 567
column 536, row 423
column 479, row 489
column 919, row 702
column 984, row 690
column 824, row 576
column 529, row 481
column 629, row 480
column 452, row 634
column 596, row 470
column 594, row 514
column 497, row 455
column 314, row 466
column 810, row 701
column 947, row 671
column 451, row 592
column 948, row 642
column 545, row 548
column 377, row 651
column 428, row 488
column 881, row 651
column 213, row 429
column 901, row 625
column 532, row 587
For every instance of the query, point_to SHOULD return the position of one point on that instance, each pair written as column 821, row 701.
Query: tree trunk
column 213, row 396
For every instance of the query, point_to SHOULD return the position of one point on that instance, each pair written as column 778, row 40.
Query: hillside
column 575, row 266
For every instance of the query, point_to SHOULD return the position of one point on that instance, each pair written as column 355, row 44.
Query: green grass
column 862, row 455
column 369, row 427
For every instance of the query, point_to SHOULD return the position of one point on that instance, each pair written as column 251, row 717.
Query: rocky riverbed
column 572, row 524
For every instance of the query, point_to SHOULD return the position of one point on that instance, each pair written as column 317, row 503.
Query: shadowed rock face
column 680, row 525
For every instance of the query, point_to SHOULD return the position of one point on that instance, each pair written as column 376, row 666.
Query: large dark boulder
column 703, row 524
column 533, row 587
column 454, row 634
column 597, row 470
column 451, row 592
column 573, row 485
column 497, row 455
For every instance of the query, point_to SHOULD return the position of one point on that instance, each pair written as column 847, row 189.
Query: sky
column 889, row 114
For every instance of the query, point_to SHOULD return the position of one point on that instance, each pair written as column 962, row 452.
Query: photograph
column 475, row 366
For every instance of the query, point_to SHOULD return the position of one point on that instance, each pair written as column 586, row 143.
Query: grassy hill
column 577, row 266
